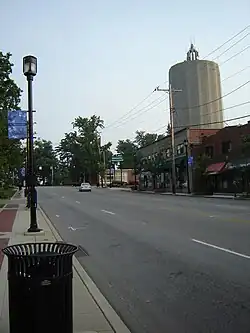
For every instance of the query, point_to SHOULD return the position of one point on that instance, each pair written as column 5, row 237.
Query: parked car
column 85, row 187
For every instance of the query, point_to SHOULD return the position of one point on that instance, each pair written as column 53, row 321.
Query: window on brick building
column 209, row 151
column 226, row 147
column 180, row 149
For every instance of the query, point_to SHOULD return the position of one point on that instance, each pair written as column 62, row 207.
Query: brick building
column 226, row 159
column 162, row 178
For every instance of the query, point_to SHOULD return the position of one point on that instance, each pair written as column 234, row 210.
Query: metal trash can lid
column 44, row 249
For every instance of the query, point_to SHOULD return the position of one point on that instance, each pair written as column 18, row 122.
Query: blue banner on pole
column 17, row 124
column 22, row 172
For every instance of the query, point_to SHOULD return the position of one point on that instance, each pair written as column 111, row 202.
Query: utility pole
column 170, row 91
column 98, row 137
column 104, row 167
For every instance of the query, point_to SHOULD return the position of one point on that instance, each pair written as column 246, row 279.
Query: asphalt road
column 166, row 264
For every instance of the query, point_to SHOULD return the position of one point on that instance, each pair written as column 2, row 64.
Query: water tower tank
column 199, row 103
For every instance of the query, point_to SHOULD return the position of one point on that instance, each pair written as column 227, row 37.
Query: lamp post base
column 34, row 229
column 32, row 233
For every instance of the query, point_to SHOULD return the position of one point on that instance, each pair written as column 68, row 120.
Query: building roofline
column 166, row 136
column 181, row 130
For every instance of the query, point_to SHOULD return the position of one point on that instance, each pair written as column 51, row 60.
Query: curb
column 193, row 195
column 211, row 197
column 109, row 313
column 228, row 198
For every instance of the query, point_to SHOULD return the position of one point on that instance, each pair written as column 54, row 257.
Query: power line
column 131, row 110
column 140, row 113
column 211, row 113
column 240, row 71
column 229, row 40
column 126, row 117
column 219, row 122
column 143, row 111
column 217, row 99
column 211, row 123
column 235, row 55
column 230, row 47
column 164, row 127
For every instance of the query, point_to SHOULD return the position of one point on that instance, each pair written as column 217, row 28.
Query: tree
column 105, row 159
column 80, row 151
column 69, row 152
column 127, row 149
column 200, row 177
column 143, row 139
column 11, row 156
column 45, row 161
column 88, row 140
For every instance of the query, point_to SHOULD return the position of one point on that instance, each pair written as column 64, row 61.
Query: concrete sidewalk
column 92, row 312
column 183, row 194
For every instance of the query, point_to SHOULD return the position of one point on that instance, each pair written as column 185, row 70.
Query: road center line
column 221, row 249
column 107, row 212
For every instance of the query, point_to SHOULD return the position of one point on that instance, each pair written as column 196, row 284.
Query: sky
column 105, row 57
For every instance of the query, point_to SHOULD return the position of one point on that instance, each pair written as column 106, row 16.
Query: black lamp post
column 187, row 165
column 30, row 70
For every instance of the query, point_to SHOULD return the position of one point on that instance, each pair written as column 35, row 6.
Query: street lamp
column 187, row 165
column 30, row 70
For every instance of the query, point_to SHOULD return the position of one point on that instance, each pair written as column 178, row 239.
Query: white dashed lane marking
column 107, row 212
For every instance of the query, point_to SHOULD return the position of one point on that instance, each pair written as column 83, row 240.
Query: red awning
column 215, row 168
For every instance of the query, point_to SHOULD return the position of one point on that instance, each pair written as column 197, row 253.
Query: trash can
column 40, row 287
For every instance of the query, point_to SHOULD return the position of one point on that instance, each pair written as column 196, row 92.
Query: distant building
column 225, row 158
column 200, row 101
column 162, row 148
column 125, row 176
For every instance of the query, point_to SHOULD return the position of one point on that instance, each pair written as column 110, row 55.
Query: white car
column 85, row 187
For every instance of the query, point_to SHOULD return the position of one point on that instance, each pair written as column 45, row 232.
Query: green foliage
column 200, row 177
column 127, row 149
column 156, row 165
column 80, row 152
column 11, row 156
column 143, row 139
column 44, row 160
column 6, row 193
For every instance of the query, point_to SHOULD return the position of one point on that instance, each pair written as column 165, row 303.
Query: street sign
column 190, row 160
column 117, row 158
